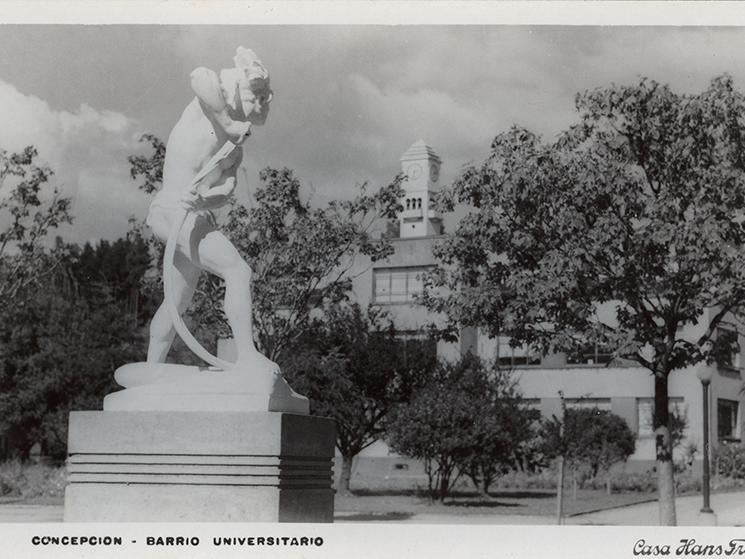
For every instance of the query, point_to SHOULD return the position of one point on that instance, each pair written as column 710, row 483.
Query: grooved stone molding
column 199, row 466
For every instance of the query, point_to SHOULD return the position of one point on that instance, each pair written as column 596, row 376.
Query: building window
column 508, row 356
column 410, row 349
column 590, row 354
column 418, row 348
column 398, row 285
column 727, row 426
column 645, row 414
column 727, row 339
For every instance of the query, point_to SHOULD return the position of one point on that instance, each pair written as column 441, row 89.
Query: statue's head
column 247, row 86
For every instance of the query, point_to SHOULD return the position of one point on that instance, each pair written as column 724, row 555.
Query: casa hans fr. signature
column 734, row 547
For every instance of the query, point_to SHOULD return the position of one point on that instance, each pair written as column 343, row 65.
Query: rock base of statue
column 155, row 466
column 169, row 387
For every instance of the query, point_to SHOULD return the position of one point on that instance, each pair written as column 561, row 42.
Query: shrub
column 719, row 482
column 687, row 483
column 541, row 479
column 25, row 480
column 631, row 482
column 622, row 482
column 589, row 439
column 467, row 420
column 730, row 460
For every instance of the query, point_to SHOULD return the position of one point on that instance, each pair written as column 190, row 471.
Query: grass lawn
column 401, row 505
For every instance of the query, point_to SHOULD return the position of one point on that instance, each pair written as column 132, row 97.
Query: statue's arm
column 206, row 86
column 218, row 195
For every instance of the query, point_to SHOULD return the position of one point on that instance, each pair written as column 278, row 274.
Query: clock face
column 434, row 172
column 414, row 171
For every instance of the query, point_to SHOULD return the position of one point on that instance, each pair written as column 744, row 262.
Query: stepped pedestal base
column 149, row 466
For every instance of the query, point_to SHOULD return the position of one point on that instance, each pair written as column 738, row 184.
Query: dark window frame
column 591, row 352
column 728, row 416
column 409, row 296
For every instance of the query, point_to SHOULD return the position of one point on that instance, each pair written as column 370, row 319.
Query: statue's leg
column 162, row 332
column 218, row 256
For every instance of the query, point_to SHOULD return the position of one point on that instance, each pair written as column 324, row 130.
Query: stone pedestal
column 151, row 466
column 708, row 518
column 171, row 387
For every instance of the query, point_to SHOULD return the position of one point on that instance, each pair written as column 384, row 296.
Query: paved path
column 442, row 518
column 729, row 509
column 15, row 512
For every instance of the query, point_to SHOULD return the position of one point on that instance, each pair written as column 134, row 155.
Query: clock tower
column 421, row 165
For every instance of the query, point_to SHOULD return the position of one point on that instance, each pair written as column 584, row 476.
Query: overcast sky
column 349, row 100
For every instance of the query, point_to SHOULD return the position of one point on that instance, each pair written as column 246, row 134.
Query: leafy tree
column 588, row 439
column 149, row 168
column 63, row 339
column 529, row 456
column 502, row 426
column 301, row 256
column 599, row 438
column 638, row 207
column 27, row 214
column 678, row 425
column 29, row 211
column 467, row 419
column 116, row 269
column 430, row 428
column 354, row 368
column 60, row 357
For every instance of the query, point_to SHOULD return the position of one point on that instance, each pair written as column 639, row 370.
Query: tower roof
column 418, row 151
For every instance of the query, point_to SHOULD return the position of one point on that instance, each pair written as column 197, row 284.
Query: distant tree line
column 69, row 315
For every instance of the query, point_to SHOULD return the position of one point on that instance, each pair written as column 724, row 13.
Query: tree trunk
column 664, row 451
column 444, row 486
column 560, row 493
column 18, row 445
column 574, row 485
column 346, row 475
column 609, row 484
column 431, row 481
column 483, row 489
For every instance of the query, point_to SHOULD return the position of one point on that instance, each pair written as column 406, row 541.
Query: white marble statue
column 222, row 111
column 203, row 153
